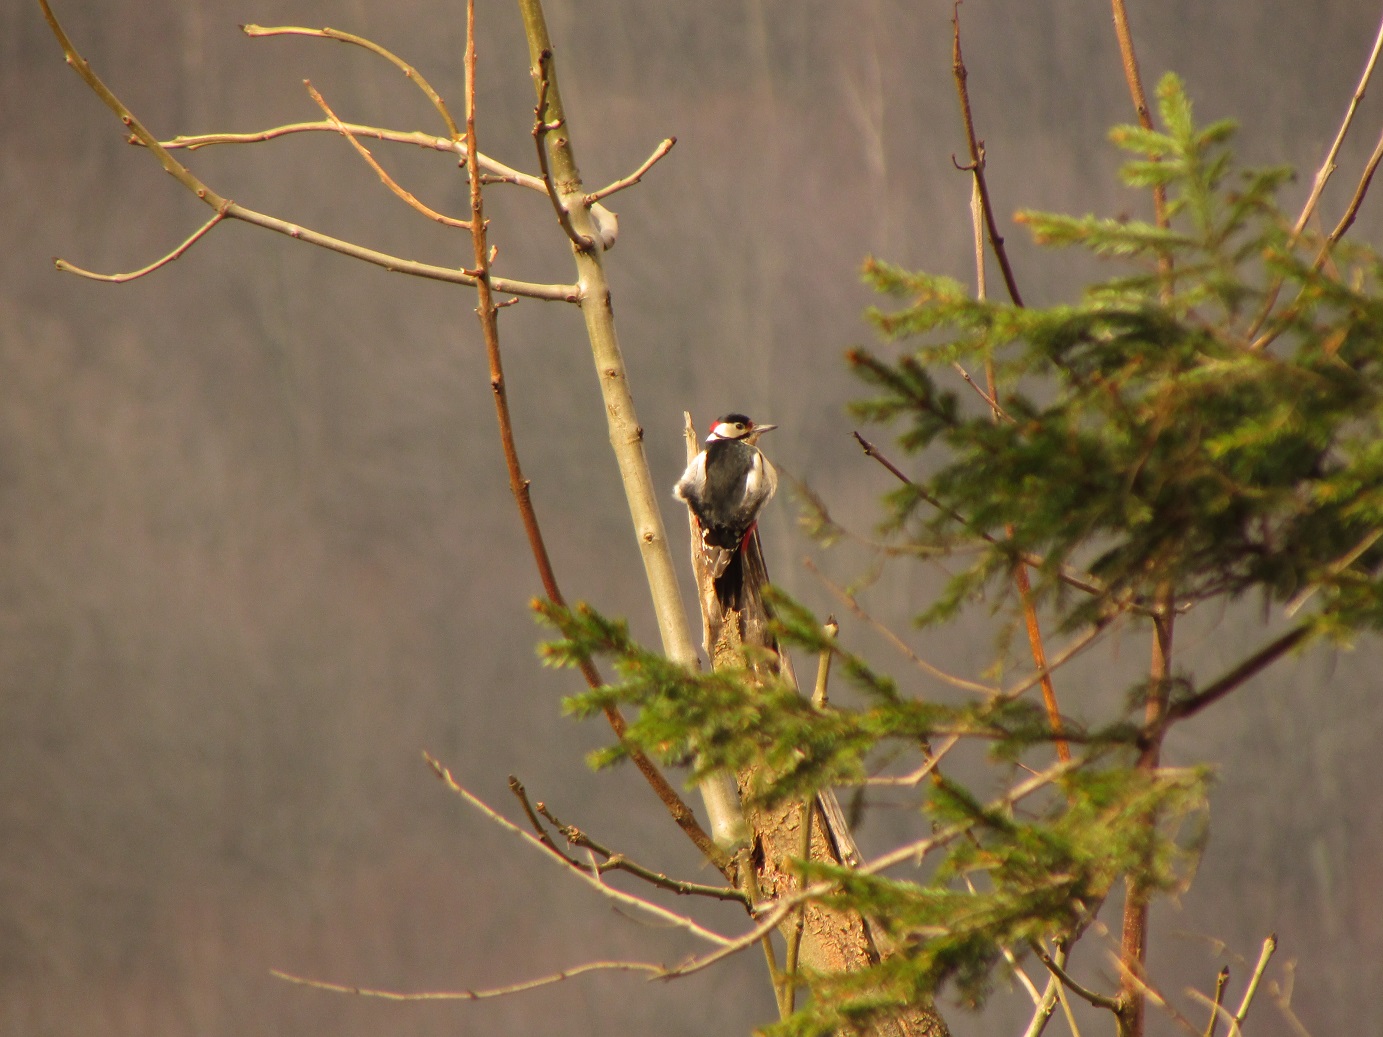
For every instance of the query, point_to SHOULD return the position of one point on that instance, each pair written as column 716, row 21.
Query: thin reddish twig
column 1140, row 100
column 406, row 196
column 984, row 212
column 976, row 148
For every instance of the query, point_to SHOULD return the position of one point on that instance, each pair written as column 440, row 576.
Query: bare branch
column 360, row 41
column 201, row 231
column 1269, row 946
column 1221, row 981
column 1328, row 166
column 913, row 777
column 634, row 177
column 1042, row 1012
column 1140, row 102
column 626, row 432
column 1082, row 992
column 619, row 896
column 977, row 160
column 184, row 176
column 406, row 196
column 989, row 400
column 1347, row 220
column 899, row 645
column 501, row 172
column 473, row 995
column 1249, row 668
column 913, row 852
column 541, row 128
column 619, row 862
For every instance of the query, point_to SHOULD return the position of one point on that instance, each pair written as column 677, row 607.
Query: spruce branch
column 982, row 214
column 1067, row 575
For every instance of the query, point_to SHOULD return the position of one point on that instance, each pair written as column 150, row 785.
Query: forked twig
column 541, row 128
column 233, row 210
column 977, row 160
column 405, row 196
column 360, row 41
column 1095, row 998
column 657, row 911
column 619, row 862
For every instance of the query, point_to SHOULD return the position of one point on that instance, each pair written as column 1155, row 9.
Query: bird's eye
column 739, row 425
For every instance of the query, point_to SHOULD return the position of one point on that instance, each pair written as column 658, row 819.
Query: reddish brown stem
column 1134, row 943
column 976, row 148
column 1140, row 99
column 1020, row 574
column 519, row 486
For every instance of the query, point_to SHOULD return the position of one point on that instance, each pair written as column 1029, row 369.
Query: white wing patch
column 695, row 473
column 762, row 481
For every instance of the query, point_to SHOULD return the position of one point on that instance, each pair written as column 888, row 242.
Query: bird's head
column 738, row 426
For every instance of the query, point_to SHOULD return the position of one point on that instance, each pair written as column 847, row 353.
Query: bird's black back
column 728, row 463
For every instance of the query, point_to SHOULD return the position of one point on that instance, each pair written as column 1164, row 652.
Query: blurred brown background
column 257, row 547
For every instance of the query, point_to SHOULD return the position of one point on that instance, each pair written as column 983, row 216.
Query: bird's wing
column 685, row 490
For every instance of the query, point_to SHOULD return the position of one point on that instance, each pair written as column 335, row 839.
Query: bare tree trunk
column 831, row 941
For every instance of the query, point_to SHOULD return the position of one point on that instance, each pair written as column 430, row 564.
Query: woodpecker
column 725, row 486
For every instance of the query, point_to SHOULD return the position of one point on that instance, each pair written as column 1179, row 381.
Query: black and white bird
column 725, row 486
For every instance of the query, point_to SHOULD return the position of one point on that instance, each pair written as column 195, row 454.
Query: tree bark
column 832, row 941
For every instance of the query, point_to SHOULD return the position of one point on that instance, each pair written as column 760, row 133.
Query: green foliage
column 734, row 719
column 1002, row 877
column 1208, row 421
column 1204, row 424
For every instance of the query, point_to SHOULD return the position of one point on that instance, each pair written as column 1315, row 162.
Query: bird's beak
column 759, row 430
